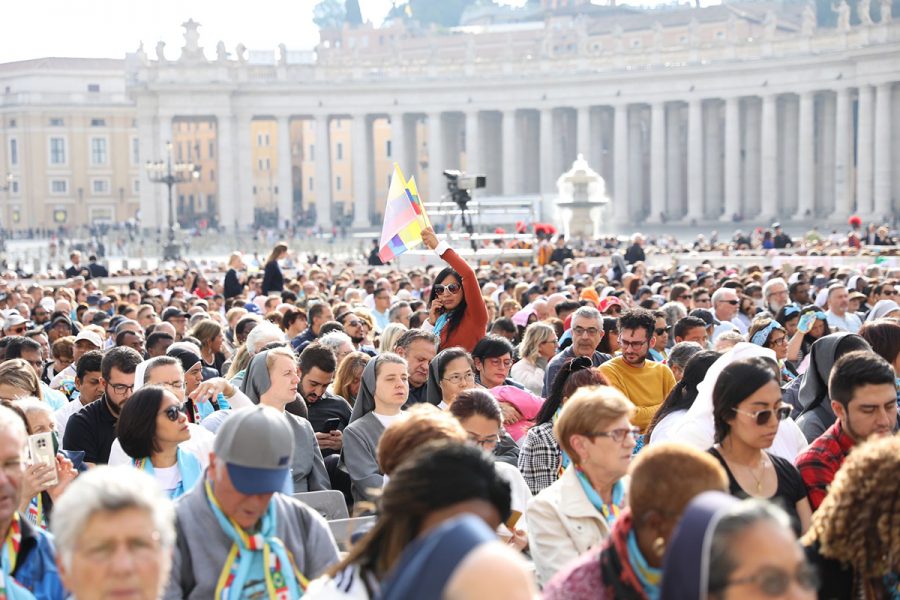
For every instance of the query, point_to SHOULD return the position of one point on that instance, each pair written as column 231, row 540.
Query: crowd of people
column 556, row 430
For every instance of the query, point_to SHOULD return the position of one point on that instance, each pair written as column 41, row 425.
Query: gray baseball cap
column 257, row 446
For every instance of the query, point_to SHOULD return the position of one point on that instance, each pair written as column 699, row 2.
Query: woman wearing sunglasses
column 812, row 327
column 747, row 410
column 769, row 333
column 457, row 314
column 151, row 426
column 725, row 549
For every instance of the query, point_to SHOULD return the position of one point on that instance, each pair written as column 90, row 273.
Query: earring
column 659, row 546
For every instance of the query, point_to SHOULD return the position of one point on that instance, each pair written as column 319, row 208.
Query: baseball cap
column 252, row 308
column 609, row 301
column 257, row 447
column 706, row 315
column 13, row 320
column 173, row 312
column 93, row 300
column 90, row 336
column 857, row 296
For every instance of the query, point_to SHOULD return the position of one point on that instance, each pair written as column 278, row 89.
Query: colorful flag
column 413, row 193
column 401, row 230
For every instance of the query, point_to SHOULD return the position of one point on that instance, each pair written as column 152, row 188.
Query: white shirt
column 62, row 415
column 529, row 375
column 200, row 445
column 849, row 322
column 386, row 420
column 664, row 429
column 167, row 478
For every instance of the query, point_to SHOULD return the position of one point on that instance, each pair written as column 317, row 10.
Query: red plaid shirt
column 821, row 460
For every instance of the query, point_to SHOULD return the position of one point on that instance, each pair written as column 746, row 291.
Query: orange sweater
column 474, row 322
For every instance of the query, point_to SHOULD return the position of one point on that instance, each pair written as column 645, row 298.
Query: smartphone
column 41, row 447
column 513, row 519
column 806, row 322
column 332, row 424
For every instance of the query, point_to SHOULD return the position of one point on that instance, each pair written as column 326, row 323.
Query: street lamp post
column 171, row 174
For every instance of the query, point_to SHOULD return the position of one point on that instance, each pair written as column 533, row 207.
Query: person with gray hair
column 775, row 295
column 262, row 335
column 28, row 553
column 722, row 544
column 338, row 342
column 679, row 356
column 586, row 332
column 105, row 515
column 400, row 313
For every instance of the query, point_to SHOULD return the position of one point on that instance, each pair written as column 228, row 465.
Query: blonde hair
column 18, row 373
column 535, row 334
column 858, row 523
column 588, row 410
column 390, row 335
column 274, row 353
column 205, row 331
column 350, row 369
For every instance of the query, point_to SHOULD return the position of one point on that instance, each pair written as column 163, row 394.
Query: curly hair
column 859, row 521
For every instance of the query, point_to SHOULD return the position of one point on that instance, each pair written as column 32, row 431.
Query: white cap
column 92, row 337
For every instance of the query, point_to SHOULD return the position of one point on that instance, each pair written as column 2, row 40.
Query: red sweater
column 474, row 322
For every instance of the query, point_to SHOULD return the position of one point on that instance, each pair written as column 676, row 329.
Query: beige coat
column 562, row 525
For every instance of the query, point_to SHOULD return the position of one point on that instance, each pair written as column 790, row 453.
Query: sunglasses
column 661, row 330
column 452, row 288
column 763, row 416
column 731, row 302
column 173, row 412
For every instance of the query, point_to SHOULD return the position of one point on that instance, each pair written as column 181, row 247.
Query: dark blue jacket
column 36, row 565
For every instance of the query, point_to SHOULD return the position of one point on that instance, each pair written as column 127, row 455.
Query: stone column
column 285, row 182
column 695, row 201
column 864, row 168
column 712, row 154
column 398, row 145
column 360, row 155
column 657, row 161
column 473, row 143
column 246, row 207
column 883, row 173
column 621, row 213
column 323, row 172
column 751, row 204
column 510, row 173
column 435, row 157
column 769, row 159
column 583, row 133
column 150, row 198
column 546, row 144
column 824, row 176
column 675, row 164
column 843, row 195
column 732, row 159
column 805, row 157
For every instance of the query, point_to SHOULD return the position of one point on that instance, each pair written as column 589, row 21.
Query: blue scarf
column 610, row 511
column 647, row 575
column 188, row 466
column 204, row 409
column 441, row 323
column 262, row 548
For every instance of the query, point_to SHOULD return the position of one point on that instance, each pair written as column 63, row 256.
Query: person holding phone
column 457, row 313
column 328, row 413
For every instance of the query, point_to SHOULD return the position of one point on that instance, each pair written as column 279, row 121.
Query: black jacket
column 273, row 280
column 233, row 285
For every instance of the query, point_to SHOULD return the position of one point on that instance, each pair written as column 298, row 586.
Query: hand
column 436, row 310
column 519, row 539
column 333, row 440
column 806, row 322
column 511, row 414
column 38, row 477
column 65, row 474
column 211, row 388
column 429, row 238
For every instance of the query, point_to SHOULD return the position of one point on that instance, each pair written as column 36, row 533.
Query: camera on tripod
column 460, row 186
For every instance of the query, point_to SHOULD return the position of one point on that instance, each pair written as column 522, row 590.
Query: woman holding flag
column 457, row 313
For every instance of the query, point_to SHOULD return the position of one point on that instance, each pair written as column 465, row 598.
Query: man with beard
column 317, row 368
column 644, row 382
column 775, row 293
column 319, row 313
column 354, row 327
column 93, row 428
column 418, row 347
column 864, row 399
column 587, row 331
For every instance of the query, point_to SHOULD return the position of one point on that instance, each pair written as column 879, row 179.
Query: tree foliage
column 329, row 14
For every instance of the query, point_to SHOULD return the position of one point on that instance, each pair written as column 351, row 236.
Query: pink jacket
column 525, row 402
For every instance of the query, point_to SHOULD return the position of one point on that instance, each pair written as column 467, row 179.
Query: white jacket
column 562, row 525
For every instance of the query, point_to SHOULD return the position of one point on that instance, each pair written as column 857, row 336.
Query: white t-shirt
column 386, row 420
column 664, row 429
column 167, row 478
column 63, row 414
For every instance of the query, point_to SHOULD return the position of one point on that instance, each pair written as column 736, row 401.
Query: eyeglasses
column 173, row 385
column 889, row 292
column 762, row 416
column 498, row 362
column 731, row 302
column 484, row 442
column 458, row 378
column 775, row 582
column 173, row 412
column 660, row 330
column 617, row 435
column 779, row 342
column 632, row 344
column 685, row 297
column 354, row 323
column 580, row 331
column 452, row 288
column 121, row 388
